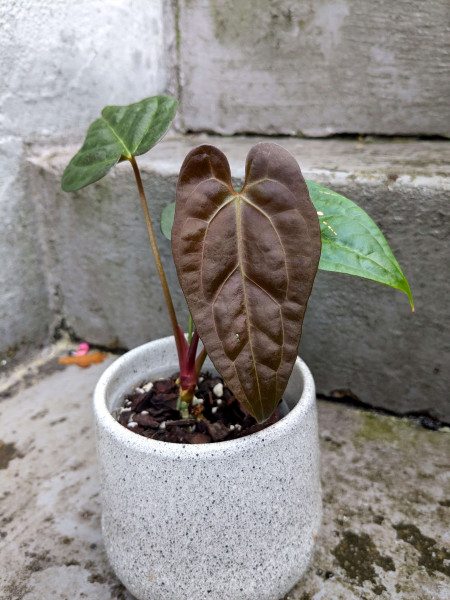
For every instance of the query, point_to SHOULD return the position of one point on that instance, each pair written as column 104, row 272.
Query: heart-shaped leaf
column 352, row 242
column 246, row 262
column 121, row 131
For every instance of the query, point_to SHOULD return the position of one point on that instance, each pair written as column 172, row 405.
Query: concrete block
column 357, row 335
column 63, row 61
column 98, row 256
column 315, row 67
column 24, row 313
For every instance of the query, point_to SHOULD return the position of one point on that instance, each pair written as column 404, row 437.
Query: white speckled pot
column 233, row 520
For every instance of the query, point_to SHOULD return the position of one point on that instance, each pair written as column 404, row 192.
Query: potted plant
column 235, row 519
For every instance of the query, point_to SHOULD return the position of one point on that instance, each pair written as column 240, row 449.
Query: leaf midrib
column 403, row 283
column 117, row 136
column 376, row 235
column 359, row 254
column 241, row 270
column 236, row 198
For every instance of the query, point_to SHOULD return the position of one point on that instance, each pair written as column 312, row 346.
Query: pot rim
column 128, row 439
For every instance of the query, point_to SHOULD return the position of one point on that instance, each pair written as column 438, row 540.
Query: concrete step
column 358, row 335
column 312, row 68
column 385, row 510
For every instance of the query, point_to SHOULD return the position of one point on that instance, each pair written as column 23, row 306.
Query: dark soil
column 214, row 416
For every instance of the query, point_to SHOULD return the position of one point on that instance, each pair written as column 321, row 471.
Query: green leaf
column 167, row 217
column 121, row 132
column 352, row 243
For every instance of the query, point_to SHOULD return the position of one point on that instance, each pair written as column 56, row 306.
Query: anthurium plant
column 246, row 259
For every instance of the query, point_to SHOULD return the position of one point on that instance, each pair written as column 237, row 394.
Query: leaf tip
column 66, row 183
column 407, row 291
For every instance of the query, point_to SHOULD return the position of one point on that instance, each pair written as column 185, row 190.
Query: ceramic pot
column 233, row 520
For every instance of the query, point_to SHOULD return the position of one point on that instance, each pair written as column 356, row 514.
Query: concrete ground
column 386, row 495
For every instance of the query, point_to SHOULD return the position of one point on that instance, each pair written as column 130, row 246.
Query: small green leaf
column 121, row 132
column 167, row 217
column 352, row 242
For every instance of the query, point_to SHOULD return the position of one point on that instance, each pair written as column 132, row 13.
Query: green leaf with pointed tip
column 121, row 131
column 352, row 242
column 166, row 223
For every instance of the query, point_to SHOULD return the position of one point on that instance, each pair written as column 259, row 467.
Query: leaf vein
column 117, row 136
column 240, row 265
column 359, row 254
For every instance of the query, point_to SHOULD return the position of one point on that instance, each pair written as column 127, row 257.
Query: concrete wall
column 24, row 313
column 61, row 62
column 315, row 67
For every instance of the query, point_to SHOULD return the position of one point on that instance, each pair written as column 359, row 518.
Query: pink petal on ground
column 82, row 349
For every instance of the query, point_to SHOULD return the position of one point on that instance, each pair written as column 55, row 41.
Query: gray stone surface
column 98, row 259
column 61, row 63
column 315, row 67
column 386, row 501
column 24, row 314
column 357, row 335
column 272, row 67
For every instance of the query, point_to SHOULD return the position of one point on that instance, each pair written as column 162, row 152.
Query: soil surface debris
column 153, row 411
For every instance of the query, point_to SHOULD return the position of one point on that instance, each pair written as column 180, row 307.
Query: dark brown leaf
column 246, row 262
column 146, row 421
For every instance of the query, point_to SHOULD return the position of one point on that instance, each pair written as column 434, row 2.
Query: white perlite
column 218, row 390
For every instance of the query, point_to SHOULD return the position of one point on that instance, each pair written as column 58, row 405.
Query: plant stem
column 191, row 327
column 156, row 255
